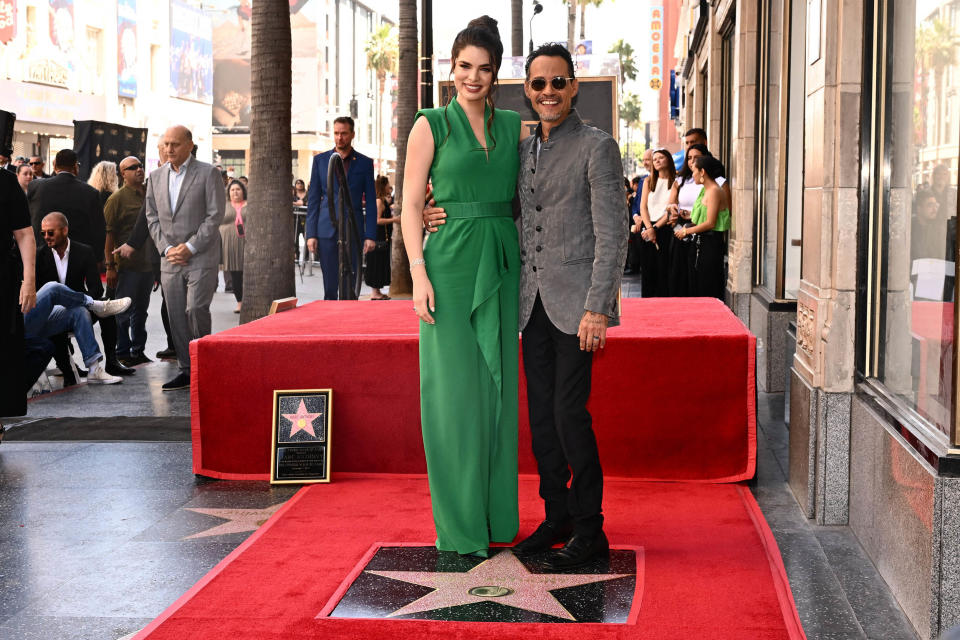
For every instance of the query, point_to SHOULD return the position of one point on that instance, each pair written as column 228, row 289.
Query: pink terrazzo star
column 302, row 420
column 502, row 574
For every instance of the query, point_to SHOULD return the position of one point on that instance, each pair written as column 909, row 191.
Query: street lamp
column 537, row 8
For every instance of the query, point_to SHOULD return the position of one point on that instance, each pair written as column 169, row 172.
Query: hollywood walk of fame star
column 302, row 420
column 503, row 575
column 238, row 520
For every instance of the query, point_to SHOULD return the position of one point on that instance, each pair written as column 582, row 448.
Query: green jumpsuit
column 469, row 359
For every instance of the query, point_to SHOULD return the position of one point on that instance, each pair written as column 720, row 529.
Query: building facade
column 66, row 60
column 839, row 125
column 330, row 79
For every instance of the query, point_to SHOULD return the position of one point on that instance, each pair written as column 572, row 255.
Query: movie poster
column 127, row 48
column 191, row 54
column 231, row 63
column 8, row 20
column 61, row 26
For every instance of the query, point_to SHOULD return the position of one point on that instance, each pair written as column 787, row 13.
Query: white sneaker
column 99, row 375
column 107, row 308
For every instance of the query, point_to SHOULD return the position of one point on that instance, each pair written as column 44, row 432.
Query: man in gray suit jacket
column 184, row 207
column 573, row 245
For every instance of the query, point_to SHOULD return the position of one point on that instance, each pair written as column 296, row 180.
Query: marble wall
column 893, row 500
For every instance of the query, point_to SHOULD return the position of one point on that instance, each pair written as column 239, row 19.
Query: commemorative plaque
column 300, row 442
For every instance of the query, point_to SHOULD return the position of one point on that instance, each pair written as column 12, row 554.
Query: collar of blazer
column 188, row 178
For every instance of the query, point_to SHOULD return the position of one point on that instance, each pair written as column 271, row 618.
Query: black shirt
column 15, row 214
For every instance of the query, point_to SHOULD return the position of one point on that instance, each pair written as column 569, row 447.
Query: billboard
column 231, row 63
column 8, row 20
column 127, row 48
column 191, row 54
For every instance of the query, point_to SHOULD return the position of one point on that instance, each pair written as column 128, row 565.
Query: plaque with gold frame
column 300, row 438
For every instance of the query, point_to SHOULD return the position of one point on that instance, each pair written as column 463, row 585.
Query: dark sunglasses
column 37, row 162
column 133, row 167
column 49, row 232
column 557, row 82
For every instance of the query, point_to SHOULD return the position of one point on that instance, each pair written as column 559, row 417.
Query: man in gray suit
column 573, row 245
column 184, row 207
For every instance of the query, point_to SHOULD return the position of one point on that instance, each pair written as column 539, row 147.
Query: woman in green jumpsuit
column 466, row 283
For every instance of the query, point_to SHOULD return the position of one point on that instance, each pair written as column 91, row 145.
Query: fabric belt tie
column 459, row 210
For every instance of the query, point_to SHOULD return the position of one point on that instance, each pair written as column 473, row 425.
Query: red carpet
column 673, row 393
column 712, row 569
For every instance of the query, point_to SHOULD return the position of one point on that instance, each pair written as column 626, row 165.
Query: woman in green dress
column 465, row 291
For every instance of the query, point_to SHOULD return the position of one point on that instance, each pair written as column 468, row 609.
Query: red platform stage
column 673, row 392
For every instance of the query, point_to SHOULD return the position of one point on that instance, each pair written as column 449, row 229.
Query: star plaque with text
column 419, row 582
column 300, row 442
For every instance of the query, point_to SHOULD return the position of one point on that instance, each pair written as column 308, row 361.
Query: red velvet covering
column 711, row 567
column 672, row 398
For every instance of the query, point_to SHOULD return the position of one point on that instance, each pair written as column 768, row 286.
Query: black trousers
column 558, row 387
column 705, row 261
column 655, row 264
column 678, row 278
column 237, row 278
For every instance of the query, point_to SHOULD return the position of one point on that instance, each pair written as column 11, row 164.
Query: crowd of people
column 680, row 219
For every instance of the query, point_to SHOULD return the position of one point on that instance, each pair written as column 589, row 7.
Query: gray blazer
column 195, row 218
column 573, row 224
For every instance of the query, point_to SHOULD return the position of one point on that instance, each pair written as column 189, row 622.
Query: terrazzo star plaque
column 414, row 582
column 300, row 440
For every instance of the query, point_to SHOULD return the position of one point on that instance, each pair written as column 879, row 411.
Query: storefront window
column 915, row 217
column 780, row 153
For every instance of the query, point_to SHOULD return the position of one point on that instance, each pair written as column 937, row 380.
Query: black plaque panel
column 422, row 583
column 300, row 439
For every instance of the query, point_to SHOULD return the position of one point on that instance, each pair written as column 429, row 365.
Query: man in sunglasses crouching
column 573, row 244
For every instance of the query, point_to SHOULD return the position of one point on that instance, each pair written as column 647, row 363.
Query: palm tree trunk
column 583, row 20
column 268, row 268
column 516, row 27
column 407, row 91
column 571, row 23
column 382, row 78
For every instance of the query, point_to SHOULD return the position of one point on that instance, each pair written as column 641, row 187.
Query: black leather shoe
column 114, row 368
column 133, row 361
column 580, row 549
column 167, row 354
column 546, row 535
column 182, row 381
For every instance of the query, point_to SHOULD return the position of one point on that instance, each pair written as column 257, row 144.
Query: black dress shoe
column 546, row 535
column 114, row 368
column 133, row 361
column 580, row 549
column 182, row 381
column 167, row 354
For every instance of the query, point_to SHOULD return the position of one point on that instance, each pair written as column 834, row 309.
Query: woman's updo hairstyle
column 711, row 166
column 482, row 33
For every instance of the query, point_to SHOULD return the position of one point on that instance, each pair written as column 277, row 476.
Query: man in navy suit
column 321, row 232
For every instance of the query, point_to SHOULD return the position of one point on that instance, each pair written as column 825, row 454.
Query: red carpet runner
column 712, row 569
column 672, row 395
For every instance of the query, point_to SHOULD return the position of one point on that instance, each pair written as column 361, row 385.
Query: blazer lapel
column 163, row 186
column 187, row 181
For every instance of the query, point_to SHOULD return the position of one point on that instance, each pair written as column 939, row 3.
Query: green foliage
column 382, row 50
column 630, row 110
column 628, row 66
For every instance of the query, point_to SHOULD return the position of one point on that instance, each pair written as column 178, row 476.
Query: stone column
column 823, row 367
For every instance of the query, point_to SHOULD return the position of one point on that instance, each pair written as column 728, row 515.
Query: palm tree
column 268, row 269
column 516, row 27
column 381, row 51
column 630, row 111
column 571, row 23
column 937, row 46
column 407, row 92
column 628, row 66
column 583, row 15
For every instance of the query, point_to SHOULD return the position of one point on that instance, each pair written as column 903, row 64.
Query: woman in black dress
column 377, row 273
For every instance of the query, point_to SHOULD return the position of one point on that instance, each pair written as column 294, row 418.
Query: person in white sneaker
column 59, row 309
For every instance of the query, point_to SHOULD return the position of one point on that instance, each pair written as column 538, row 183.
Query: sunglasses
column 49, row 233
column 37, row 162
column 557, row 82
column 133, row 167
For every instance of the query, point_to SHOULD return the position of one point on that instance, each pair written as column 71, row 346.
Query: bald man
column 185, row 203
